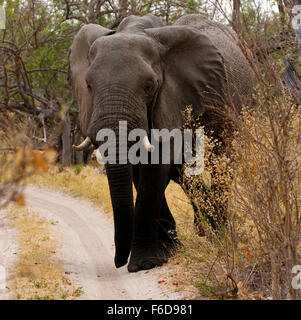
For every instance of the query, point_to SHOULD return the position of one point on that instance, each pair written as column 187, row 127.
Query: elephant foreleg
column 147, row 252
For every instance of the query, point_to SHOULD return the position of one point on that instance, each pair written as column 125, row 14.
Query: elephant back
column 240, row 78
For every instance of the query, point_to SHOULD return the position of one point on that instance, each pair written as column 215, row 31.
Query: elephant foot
column 121, row 255
column 120, row 261
column 144, row 259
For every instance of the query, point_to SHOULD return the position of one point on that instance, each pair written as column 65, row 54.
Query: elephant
column 147, row 73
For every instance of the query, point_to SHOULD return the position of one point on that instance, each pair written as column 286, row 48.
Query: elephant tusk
column 83, row 146
column 149, row 147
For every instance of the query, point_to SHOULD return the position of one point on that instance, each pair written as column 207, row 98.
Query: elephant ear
column 78, row 67
column 193, row 73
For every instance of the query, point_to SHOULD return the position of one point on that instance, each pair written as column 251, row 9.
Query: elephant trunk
column 111, row 108
column 120, row 183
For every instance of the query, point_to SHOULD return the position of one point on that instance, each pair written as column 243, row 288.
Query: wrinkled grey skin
column 146, row 73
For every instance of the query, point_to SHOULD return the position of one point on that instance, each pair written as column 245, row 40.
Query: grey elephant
column 147, row 74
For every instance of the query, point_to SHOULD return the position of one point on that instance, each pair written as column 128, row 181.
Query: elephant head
column 144, row 73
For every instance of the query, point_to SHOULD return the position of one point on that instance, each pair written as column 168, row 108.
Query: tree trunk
column 124, row 4
column 281, row 13
column 236, row 15
column 298, row 32
column 94, row 10
column 291, row 3
column 78, row 156
column 66, row 142
column 292, row 80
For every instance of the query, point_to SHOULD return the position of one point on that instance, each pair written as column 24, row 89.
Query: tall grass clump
column 250, row 191
column 18, row 159
column 266, row 185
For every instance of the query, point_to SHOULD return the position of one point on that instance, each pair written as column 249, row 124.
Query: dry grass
column 14, row 166
column 18, row 159
column 38, row 274
column 78, row 181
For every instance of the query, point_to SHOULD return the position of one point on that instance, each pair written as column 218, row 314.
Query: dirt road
column 8, row 251
column 86, row 249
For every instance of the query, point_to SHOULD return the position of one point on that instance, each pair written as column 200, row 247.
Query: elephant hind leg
column 168, row 236
column 216, row 220
column 197, row 221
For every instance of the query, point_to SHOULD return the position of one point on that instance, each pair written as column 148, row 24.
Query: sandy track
column 86, row 249
column 8, row 252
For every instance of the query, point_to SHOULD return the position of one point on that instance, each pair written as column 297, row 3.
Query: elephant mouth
column 88, row 142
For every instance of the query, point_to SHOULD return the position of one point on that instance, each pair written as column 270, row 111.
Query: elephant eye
column 149, row 87
column 89, row 87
